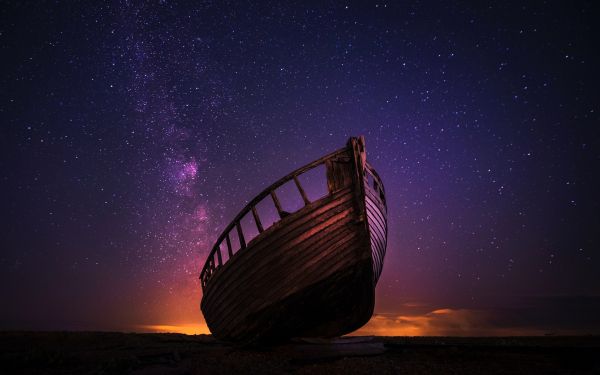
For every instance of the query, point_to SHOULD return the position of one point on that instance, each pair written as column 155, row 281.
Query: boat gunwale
column 257, row 199
column 369, row 169
column 325, row 204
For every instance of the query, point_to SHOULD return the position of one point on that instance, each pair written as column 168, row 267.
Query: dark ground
column 118, row 353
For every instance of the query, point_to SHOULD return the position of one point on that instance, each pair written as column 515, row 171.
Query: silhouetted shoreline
column 161, row 353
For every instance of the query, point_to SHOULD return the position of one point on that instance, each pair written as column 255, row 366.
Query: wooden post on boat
column 359, row 153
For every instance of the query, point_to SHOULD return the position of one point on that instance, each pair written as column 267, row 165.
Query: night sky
column 133, row 132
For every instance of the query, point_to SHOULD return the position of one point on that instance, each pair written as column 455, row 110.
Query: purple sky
column 132, row 134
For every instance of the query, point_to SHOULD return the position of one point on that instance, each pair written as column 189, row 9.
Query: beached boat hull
column 311, row 274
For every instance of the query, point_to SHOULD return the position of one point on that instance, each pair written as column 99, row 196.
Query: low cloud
column 441, row 322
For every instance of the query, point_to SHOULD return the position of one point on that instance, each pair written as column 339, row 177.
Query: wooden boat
column 310, row 274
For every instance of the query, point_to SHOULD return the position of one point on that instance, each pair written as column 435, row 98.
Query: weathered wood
column 280, row 211
column 293, row 275
column 245, row 274
column 301, row 190
column 339, row 174
column 377, row 221
column 240, row 235
column 257, row 220
column 229, row 250
column 281, row 282
column 313, row 272
column 219, row 257
column 266, row 192
column 294, row 233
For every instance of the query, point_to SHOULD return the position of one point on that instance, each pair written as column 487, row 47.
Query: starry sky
column 133, row 132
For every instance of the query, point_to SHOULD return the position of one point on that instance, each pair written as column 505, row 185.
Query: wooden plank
column 338, row 248
column 295, row 221
column 378, row 233
column 375, row 215
column 241, row 287
column 244, row 274
column 254, row 261
column 241, row 235
column 377, row 241
column 244, row 294
column 237, row 324
column 229, row 250
column 374, row 221
column 231, row 320
column 330, row 177
column 375, row 231
column 241, row 282
column 277, row 204
column 338, row 259
column 257, row 220
column 339, row 174
column 277, row 184
column 375, row 198
column 220, row 260
column 293, row 232
column 301, row 190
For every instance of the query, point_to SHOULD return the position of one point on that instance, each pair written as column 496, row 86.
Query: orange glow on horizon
column 440, row 322
column 187, row 329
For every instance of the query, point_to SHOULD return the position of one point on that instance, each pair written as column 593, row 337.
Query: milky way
column 133, row 132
